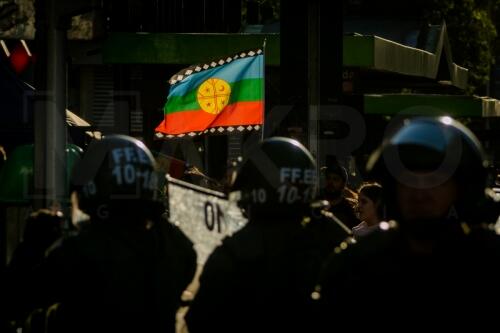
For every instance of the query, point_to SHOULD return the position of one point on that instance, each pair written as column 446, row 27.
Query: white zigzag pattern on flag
column 220, row 130
column 189, row 71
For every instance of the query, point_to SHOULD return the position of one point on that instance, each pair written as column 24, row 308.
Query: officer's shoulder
column 171, row 231
column 485, row 234
column 380, row 240
column 68, row 246
column 244, row 244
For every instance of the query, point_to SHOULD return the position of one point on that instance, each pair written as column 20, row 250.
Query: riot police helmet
column 277, row 177
column 117, row 175
column 439, row 147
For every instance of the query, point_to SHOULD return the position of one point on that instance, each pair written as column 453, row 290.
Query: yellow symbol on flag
column 213, row 95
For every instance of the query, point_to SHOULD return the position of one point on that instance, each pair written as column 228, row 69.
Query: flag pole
column 263, row 88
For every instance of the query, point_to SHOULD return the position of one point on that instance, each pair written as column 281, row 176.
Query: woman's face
column 367, row 209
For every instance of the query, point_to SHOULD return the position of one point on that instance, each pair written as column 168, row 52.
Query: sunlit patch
column 384, row 226
column 315, row 295
column 447, row 120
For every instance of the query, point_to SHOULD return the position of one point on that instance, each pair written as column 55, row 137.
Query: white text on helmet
column 129, row 154
column 297, row 175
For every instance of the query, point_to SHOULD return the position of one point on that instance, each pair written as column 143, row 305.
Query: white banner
column 205, row 216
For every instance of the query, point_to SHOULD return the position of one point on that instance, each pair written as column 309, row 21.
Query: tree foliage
column 17, row 19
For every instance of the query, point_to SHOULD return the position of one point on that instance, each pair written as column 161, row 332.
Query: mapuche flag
column 217, row 97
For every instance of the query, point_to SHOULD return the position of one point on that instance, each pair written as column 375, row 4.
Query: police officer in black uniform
column 259, row 279
column 436, row 263
column 126, row 271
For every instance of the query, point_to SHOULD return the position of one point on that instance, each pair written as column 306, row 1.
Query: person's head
column 335, row 181
column 117, row 179
column 432, row 169
column 370, row 203
column 276, row 179
column 43, row 227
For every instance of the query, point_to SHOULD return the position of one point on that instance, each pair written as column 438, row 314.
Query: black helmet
column 278, row 177
column 116, row 175
column 440, row 146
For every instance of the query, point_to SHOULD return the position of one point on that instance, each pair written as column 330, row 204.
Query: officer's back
column 437, row 264
column 259, row 279
column 125, row 272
